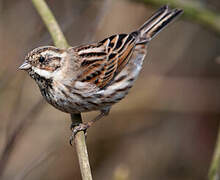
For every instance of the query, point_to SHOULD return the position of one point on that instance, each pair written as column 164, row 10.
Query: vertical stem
column 215, row 164
column 60, row 41
column 80, row 144
column 51, row 23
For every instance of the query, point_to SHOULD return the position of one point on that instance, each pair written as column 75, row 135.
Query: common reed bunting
column 95, row 76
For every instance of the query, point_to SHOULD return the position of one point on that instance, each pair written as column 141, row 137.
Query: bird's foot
column 75, row 128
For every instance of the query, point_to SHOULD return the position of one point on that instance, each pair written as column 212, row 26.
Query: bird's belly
column 80, row 102
column 66, row 103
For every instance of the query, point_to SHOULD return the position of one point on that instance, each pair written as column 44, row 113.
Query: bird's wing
column 102, row 61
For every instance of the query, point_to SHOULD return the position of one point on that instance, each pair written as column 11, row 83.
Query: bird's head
column 43, row 62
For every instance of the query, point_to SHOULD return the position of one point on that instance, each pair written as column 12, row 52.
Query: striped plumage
column 94, row 77
column 102, row 61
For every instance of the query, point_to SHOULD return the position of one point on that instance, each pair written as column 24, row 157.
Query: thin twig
column 98, row 22
column 214, row 171
column 60, row 41
column 198, row 12
column 51, row 23
column 12, row 137
column 81, row 149
column 193, row 10
column 15, row 127
column 15, row 108
column 42, row 158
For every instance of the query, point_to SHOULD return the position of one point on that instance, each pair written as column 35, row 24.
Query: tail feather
column 156, row 23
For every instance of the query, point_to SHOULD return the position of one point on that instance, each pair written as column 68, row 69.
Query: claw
column 77, row 128
column 71, row 140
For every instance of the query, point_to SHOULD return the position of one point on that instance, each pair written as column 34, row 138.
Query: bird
column 94, row 77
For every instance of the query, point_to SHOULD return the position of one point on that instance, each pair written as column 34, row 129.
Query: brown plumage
column 96, row 76
column 100, row 62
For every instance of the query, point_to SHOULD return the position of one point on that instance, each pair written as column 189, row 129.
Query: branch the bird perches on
column 60, row 41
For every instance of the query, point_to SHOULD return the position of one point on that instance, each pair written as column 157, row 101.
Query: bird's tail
column 159, row 20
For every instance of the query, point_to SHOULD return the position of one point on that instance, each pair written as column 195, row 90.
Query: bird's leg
column 85, row 126
column 76, row 127
column 76, row 120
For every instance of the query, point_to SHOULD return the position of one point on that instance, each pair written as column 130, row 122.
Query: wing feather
column 102, row 61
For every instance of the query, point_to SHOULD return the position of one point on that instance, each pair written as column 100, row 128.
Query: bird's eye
column 41, row 59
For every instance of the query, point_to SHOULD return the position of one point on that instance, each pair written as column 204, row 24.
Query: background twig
column 51, row 23
column 215, row 164
column 12, row 137
column 42, row 158
column 196, row 11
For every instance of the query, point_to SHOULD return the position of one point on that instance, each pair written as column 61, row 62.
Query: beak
column 25, row 66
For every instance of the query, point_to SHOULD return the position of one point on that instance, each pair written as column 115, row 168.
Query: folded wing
column 102, row 61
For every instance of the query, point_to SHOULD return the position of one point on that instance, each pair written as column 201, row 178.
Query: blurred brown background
column 165, row 128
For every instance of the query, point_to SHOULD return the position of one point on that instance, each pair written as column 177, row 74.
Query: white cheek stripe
column 43, row 73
